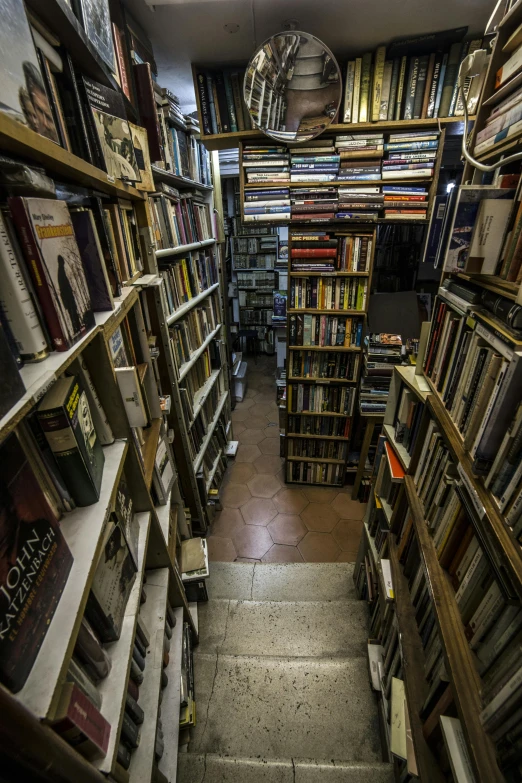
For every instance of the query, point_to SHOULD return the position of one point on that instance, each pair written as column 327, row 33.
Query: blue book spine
column 265, row 210
column 317, row 159
column 406, row 146
column 400, row 189
column 440, row 85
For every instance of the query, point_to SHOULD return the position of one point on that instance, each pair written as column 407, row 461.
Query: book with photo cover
column 35, row 562
column 46, row 234
column 114, row 137
column 96, row 20
column 141, row 152
column 22, row 88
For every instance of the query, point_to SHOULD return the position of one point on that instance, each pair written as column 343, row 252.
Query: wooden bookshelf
column 169, row 178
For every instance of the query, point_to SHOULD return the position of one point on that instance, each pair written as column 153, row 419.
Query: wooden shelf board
column 38, row 377
column 315, row 437
column 180, row 249
column 316, row 459
column 501, row 536
column 187, row 306
column 492, row 283
column 323, row 413
column 199, row 458
column 416, row 383
column 83, row 532
column 19, row 140
column 328, row 274
column 153, row 613
column 160, row 175
column 355, row 348
column 413, row 659
column 113, row 688
column 360, row 313
column 225, row 141
column 170, row 704
column 460, row 665
column 501, row 147
column 402, row 455
column 149, row 448
column 202, row 394
column 183, row 370
column 323, row 380
column 213, row 472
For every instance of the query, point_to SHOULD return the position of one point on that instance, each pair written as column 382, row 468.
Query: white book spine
column 489, row 609
column 508, row 625
column 473, row 568
column 17, row 303
column 468, row 557
column 509, row 688
column 457, row 748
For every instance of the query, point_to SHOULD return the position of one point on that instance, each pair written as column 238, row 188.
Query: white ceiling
column 185, row 31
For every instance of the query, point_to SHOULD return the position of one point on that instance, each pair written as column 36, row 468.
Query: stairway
column 281, row 677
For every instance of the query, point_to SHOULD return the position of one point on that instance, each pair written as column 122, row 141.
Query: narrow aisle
column 263, row 519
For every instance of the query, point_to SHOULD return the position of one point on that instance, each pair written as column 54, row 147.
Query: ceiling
column 185, row 31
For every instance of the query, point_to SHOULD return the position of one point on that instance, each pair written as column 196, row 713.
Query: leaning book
column 35, row 562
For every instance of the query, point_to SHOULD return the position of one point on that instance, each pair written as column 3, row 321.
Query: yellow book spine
column 378, row 79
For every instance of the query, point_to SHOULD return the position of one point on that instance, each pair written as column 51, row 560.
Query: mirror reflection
column 292, row 87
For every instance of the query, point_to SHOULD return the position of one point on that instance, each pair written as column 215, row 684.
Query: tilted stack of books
column 313, row 204
column 403, row 202
column 410, row 155
column 381, row 353
column 266, row 166
column 317, row 163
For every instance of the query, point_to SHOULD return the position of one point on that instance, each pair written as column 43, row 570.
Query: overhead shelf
column 161, row 175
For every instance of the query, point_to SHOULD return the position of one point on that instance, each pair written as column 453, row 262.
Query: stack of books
column 313, row 203
column 313, row 251
column 410, row 155
column 264, row 164
column 332, row 293
column 318, row 163
column 319, row 398
column 398, row 83
column 266, row 204
column 381, row 353
column 360, row 156
column 404, row 201
column 359, row 202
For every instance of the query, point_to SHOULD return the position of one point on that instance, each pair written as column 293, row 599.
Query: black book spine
column 222, row 102
column 420, row 87
column 124, row 756
column 80, row 118
column 130, row 733
column 138, row 658
column 204, row 103
column 134, row 709
column 410, row 87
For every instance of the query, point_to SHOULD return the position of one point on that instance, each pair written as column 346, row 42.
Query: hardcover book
column 35, row 562
column 81, row 724
column 47, row 237
column 22, row 89
column 92, row 258
column 96, row 20
column 112, row 585
column 66, row 420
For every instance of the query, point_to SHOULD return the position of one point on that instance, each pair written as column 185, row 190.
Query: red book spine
column 37, row 271
column 116, row 34
column 83, row 720
column 314, row 252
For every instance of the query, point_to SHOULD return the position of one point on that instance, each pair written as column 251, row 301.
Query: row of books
column 316, row 449
column 257, row 261
column 323, row 251
column 318, row 398
column 404, row 81
column 249, row 299
column 187, row 277
column 190, row 332
column 407, row 419
column 255, row 245
column 223, row 109
column 315, row 473
column 314, row 364
column 209, row 362
column 325, row 426
column 477, row 375
column 256, row 281
column 256, row 317
column 179, row 218
column 328, row 293
column 381, row 353
column 199, row 430
column 325, row 330
column 240, row 229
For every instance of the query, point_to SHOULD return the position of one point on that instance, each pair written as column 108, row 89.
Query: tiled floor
column 262, row 518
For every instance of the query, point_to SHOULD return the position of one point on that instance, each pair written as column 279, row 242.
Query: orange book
column 397, row 473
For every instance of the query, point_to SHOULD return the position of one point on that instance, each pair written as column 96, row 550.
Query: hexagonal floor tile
column 251, row 436
column 221, row 549
column 320, row 494
column 269, row 446
column 272, row 431
column 347, row 533
column 348, row 508
column 268, row 463
column 252, row 541
column 228, row 520
column 290, row 501
column 250, row 393
column 320, row 517
column 238, row 427
column 287, row 529
column 245, row 404
column 282, row 554
column 256, row 421
column 318, row 548
column 247, row 453
column 240, row 472
column 263, row 485
column 240, row 414
column 263, row 407
column 235, row 495
column 258, row 511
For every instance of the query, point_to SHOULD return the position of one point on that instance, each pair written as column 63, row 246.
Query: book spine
column 204, row 103
column 238, row 101
column 420, row 87
column 394, row 85
column 450, row 78
column 17, row 304
column 428, row 86
column 219, row 84
column 230, row 102
column 38, row 274
column 365, row 87
column 348, row 91
column 211, row 103
column 411, row 86
column 356, row 89
column 378, row 79
column 103, row 428
column 400, row 88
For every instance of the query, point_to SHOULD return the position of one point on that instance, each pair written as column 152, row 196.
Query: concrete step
column 287, row 628
column 196, row 768
column 281, row 581
column 285, row 707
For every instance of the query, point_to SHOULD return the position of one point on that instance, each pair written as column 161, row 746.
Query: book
column 35, row 565
column 47, row 238
column 142, row 156
column 80, row 723
column 377, row 83
column 148, row 114
column 457, row 749
column 364, row 101
column 92, row 259
column 398, row 719
column 112, row 584
column 450, row 78
column 65, row 418
column 96, row 21
column 22, row 93
column 133, row 402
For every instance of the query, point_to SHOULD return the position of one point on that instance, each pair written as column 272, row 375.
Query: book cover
column 96, row 21
column 22, row 89
column 81, row 724
column 133, row 402
column 148, row 114
column 92, row 258
column 119, row 47
column 65, row 418
column 450, row 78
column 35, row 564
column 488, row 236
column 47, row 237
column 141, row 154
column 114, row 133
column 112, row 584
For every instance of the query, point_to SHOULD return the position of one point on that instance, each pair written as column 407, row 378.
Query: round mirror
column 292, row 87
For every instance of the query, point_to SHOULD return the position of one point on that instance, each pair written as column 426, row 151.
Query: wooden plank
column 460, row 664
column 412, row 656
column 333, row 381
column 161, row 175
column 170, row 704
column 361, row 313
column 361, row 468
column 316, row 437
column 150, row 435
column 20, row 140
